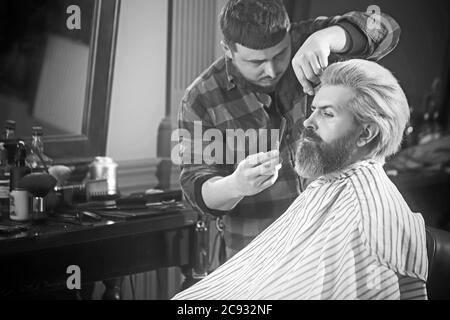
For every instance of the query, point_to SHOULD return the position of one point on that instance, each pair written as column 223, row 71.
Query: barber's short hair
column 255, row 24
column 378, row 100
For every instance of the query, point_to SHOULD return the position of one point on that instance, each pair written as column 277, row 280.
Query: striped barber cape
column 349, row 235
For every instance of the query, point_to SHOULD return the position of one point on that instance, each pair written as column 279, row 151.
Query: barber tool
column 92, row 190
column 282, row 130
column 154, row 209
column 100, row 190
column 38, row 184
column 104, row 168
column 91, row 215
column 11, row 229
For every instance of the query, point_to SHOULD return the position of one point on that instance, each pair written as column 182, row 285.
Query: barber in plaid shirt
column 268, row 72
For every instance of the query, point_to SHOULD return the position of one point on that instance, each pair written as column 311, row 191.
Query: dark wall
column 422, row 53
column 24, row 26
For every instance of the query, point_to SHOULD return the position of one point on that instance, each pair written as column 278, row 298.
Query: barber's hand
column 256, row 173
column 310, row 60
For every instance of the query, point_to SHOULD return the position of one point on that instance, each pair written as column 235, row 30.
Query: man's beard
column 315, row 158
column 250, row 85
column 254, row 86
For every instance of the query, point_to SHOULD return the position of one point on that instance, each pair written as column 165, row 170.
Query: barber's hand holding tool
column 256, row 173
column 311, row 59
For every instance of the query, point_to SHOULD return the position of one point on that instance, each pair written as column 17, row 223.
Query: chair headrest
column 438, row 249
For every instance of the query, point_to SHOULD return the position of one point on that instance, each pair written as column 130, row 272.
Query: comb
column 98, row 190
column 92, row 189
column 282, row 130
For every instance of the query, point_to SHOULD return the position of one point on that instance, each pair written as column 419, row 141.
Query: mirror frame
column 82, row 148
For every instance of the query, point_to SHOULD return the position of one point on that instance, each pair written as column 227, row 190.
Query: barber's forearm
column 219, row 194
column 336, row 37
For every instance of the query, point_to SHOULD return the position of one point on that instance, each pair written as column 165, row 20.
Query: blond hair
column 378, row 100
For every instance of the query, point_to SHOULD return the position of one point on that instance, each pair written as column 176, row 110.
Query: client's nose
column 310, row 123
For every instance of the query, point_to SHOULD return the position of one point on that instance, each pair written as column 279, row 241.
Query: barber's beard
column 316, row 158
column 250, row 85
column 239, row 78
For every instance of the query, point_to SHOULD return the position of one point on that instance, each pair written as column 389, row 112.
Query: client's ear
column 226, row 49
column 368, row 133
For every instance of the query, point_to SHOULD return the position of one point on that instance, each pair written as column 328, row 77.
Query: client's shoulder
column 369, row 181
column 387, row 225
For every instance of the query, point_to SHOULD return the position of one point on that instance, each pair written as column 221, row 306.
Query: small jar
column 104, row 168
column 19, row 205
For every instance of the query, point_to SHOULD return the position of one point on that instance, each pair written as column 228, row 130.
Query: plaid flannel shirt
column 219, row 99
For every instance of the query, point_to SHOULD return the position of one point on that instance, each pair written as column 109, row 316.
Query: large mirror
column 56, row 63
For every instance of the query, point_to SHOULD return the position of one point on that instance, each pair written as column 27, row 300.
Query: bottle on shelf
column 425, row 134
column 4, row 182
column 37, row 160
column 431, row 128
column 436, row 126
column 8, row 138
column 19, row 198
column 201, row 264
column 19, row 169
column 410, row 132
column 9, row 130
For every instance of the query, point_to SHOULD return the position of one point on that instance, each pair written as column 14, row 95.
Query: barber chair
column 438, row 247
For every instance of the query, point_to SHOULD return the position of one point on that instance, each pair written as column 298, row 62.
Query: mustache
column 270, row 78
column 310, row 134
